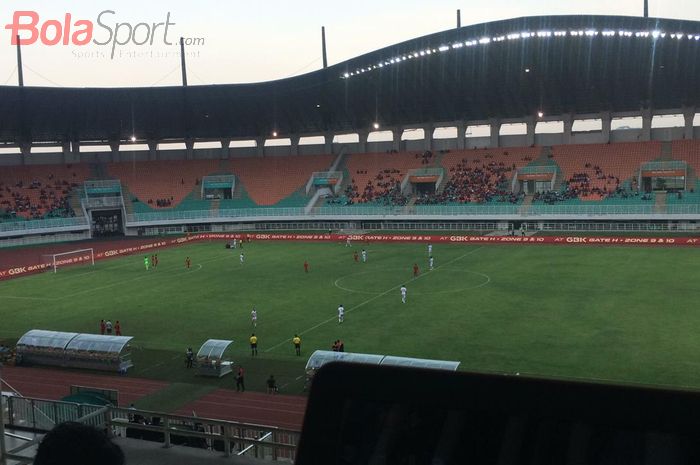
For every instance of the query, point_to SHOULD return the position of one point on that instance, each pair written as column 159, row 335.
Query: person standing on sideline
column 306, row 266
column 430, row 249
column 118, row 328
column 155, row 261
column 108, row 327
column 271, row 385
column 254, row 318
column 404, row 291
column 102, row 327
column 240, row 380
column 364, row 256
column 188, row 263
column 235, row 244
column 415, row 270
column 296, row 340
column 253, row 345
column 146, row 263
column 242, row 257
column 431, row 262
column 189, row 357
column 341, row 313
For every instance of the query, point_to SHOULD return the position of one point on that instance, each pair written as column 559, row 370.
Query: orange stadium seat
column 171, row 180
column 32, row 191
column 615, row 162
column 364, row 169
column 268, row 180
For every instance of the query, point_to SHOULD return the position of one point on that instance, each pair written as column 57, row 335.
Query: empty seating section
column 600, row 171
column 268, row 180
column 38, row 191
column 162, row 184
column 689, row 152
column 376, row 177
column 482, row 175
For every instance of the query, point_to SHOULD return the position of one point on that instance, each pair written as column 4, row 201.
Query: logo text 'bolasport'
column 30, row 28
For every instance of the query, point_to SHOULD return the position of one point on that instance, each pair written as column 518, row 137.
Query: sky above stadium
column 105, row 43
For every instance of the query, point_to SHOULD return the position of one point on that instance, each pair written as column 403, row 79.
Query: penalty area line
column 372, row 299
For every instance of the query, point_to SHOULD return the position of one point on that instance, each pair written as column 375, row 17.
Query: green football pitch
column 600, row 313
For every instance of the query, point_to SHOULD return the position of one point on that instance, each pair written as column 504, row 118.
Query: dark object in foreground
column 77, row 444
column 361, row 414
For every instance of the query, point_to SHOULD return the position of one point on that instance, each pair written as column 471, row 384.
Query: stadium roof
column 504, row 69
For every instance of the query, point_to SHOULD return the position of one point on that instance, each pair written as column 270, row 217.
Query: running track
column 222, row 404
column 250, row 407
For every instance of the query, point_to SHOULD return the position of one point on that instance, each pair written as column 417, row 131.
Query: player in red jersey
column 306, row 266
column 118, row 328
column 188, row 263
column 415, row 270
column 103, row 326
column 356, row 257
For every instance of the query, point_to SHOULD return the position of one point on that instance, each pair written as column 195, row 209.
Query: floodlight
column 540, row 114
column 133, row 138
column 274, row 133
column 375, row 125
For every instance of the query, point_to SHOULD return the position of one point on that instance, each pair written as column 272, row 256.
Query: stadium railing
column 46, row 223
column 231, row 438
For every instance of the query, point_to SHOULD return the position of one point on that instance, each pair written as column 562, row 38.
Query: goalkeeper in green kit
column 146, row 262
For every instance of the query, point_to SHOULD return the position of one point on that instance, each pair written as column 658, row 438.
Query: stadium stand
column 376, row 177
column 270, row 180
column 481, row 175
column 601, row 171
column 39, row 191
column 162, row 184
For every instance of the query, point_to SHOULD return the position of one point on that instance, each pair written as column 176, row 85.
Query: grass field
column 610, row 313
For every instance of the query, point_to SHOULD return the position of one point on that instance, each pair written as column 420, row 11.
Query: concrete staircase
column 128, row 205
column 75, row 204
column 660, row 205
column 214, row 207
column 525, row 206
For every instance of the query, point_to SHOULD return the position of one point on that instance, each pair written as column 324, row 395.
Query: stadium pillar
column 153, row 150
column 363, row 140
column 688, row 117
column 531, row 124
column 568, row 120
column 114, row 145
column 646, row 125
column 260, row 145
column 328, row 143
column 428, row 137
column 396, row 139
column 65, row 150
column 606, row 124
column 495, row 125
column 189, row 146
column 461, row 135
column 26, row 150
column 224, row 148
column 294, row 149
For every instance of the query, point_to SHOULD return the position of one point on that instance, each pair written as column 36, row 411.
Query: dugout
column 322, row 357
column 210, row 358
column 74, row 350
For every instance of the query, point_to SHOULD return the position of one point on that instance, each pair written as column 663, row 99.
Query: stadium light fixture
column 527, row 70
column 444, row 48
column 274, row 133
column 375, row 125
column 133, row 138
column 540, row 114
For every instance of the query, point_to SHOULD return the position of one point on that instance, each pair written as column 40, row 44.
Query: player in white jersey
column 364, row 256
column 235, row 244
column 430, row 250
column 254, row 318
column 404, row 291
column 431, row 262
column 242, row 257
column 341, row 313
column 347, row 242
